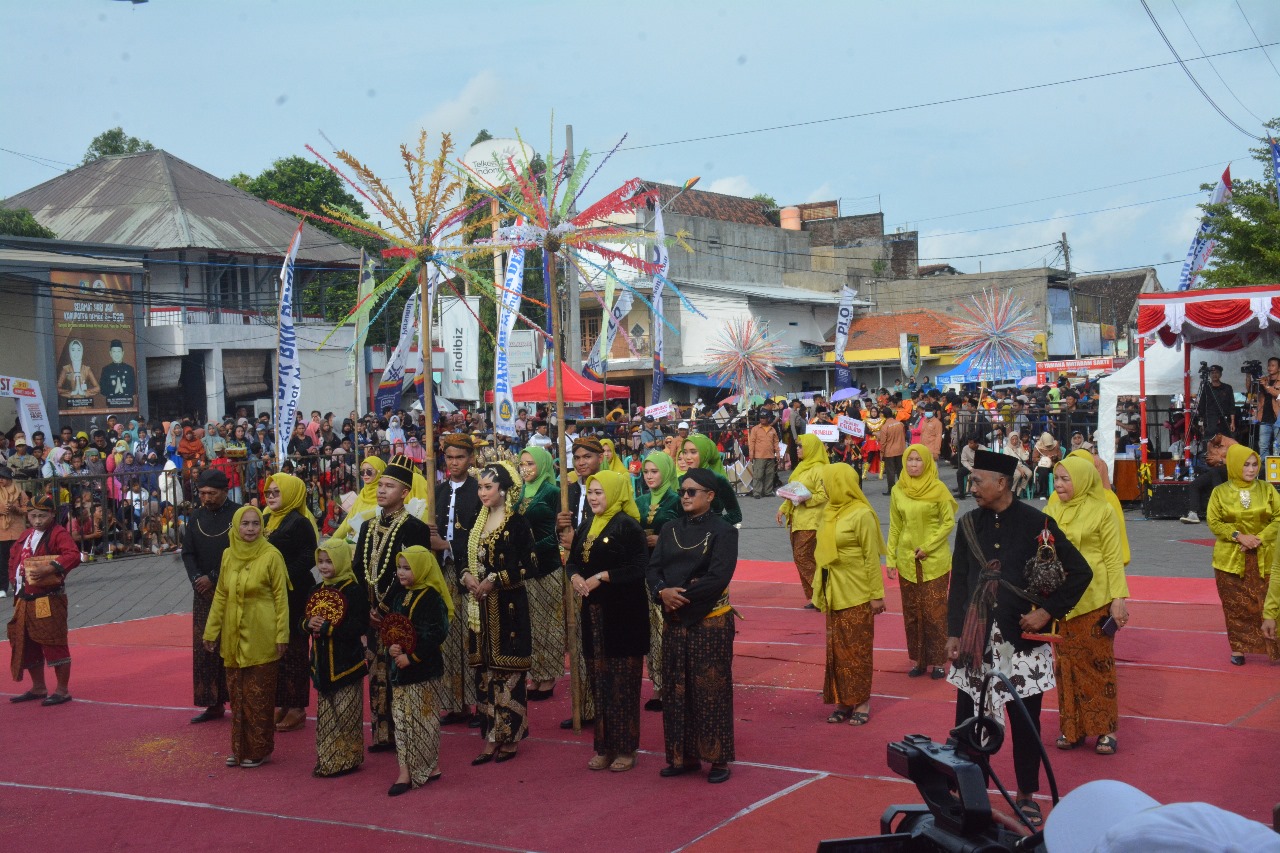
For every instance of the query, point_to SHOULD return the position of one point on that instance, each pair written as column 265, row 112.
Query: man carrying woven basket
column 1013, row 572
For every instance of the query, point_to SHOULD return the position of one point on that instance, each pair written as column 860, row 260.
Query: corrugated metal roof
column 157, row 200
column 22, row 258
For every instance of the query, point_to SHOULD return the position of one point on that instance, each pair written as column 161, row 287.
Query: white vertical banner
column 1202, row 245
column 460, row 337
column 663, row 258
column 289, row 361
column 844, row 319
column 594, row 368
column 504, row 420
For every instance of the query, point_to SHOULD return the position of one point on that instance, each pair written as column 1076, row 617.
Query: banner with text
column 844, row 318
column 828, row 433
column 289, row 369
column 851, row 426
column 662, row 258
column 504, row 406
column 94, row 343
column 389, row 395
column 31, row 412
column 909, row 355
column 460, row 337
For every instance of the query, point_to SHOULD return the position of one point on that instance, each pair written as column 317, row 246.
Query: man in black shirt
column 1217, row 406
column 205, row 539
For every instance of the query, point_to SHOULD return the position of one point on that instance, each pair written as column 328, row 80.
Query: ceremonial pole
column 557, row 344
column 428, row 387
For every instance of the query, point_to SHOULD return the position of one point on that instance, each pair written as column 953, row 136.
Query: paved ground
column 136, row 587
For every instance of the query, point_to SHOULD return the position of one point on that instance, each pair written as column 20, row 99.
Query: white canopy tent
column 1164, row 379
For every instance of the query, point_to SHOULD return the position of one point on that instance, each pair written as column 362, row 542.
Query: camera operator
column 1006, row 532
column 1269, row 406
column 1216, row 407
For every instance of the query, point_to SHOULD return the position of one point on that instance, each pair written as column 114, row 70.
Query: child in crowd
column 339, row 608
column 427, row 606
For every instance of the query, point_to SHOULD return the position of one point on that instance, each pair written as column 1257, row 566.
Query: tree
column 766, row 199
column 20, row 223
column 1247, row 229
column 113, row 142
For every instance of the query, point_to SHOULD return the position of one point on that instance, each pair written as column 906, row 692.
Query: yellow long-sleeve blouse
column 250, row 610
column 1096, row 535
column 853, row 577
column 1227, row 515
column 808, row 515
column 926, row 525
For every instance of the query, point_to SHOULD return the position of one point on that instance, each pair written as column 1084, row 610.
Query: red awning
column 1222, row 319
column 577, row 389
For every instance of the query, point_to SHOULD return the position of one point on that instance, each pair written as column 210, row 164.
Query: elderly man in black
column 990, row 607
column 588, row 458
column 206, row 537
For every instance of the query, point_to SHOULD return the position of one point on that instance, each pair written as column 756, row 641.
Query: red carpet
column 127, row 771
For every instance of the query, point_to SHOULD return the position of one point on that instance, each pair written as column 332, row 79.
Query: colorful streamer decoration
column 744, row 357
column 998, row 334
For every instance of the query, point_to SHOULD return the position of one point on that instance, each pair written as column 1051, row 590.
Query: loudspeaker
column 1166, row 500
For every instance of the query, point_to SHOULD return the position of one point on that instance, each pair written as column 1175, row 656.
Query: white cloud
column 462, row 115
column 734, row 185
column 822, row 193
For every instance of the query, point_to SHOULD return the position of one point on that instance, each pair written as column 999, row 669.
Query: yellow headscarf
column 1237, row 455
column 293, row 498
column 927, row 487
column 426, row 572
column 1107, row 494
column 240, row 550
column 615, row 461
column 368, row 495
column 815, row 454
column 1080, row 514
column 618, row 491
column 340, row 554
column 844, row 495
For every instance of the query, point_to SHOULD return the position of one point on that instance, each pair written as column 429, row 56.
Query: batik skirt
column 850, row 638
column 1242, row 599
column 339, row 730
column 1085, row 666
column 252, row 690
column 615, row 686
column 503, row 705
column 697, row 691
column 208, row 672
column 417, row 731
column 546, row 617
column 924, row 614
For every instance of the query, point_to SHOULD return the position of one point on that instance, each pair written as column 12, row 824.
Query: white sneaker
column 1190, row 518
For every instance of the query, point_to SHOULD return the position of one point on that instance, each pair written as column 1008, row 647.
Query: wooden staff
column 570, row 608
column 428, row 390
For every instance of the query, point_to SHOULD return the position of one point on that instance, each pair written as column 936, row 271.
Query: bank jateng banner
column 389, row 387
column 289, row 370
column 663, row 258
column 504, row 406
column 93, row 340
column 844, row 378
column 594, row 368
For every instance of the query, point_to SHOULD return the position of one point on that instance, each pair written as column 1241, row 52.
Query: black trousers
column 892, row 471
column 1203, row 485
column 1026, row 740
column 962, row 480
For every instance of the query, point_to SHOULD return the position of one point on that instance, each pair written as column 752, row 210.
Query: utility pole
column 1071, row 295
column 574, row 340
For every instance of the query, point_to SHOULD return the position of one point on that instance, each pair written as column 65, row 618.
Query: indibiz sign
column 460, row 334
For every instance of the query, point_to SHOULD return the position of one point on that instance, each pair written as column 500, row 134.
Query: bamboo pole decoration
column 428, row 390
column 570, row 604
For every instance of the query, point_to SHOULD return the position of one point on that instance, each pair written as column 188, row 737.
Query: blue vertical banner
column 390, row 386
column 289, row 360
column 844, row 318
column 504, row 420
column 1275, row 164
column 662, row 258
column 1203, row 245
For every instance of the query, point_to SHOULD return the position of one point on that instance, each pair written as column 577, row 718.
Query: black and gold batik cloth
column 546, row 587
column 615, row 628
column 457, row 507
column 253, row 697
column 374, row 565
column 413, row 711
column 581, row 512
column 499, row 634
column 699, row 555
column 337, row 670
column 203, row 542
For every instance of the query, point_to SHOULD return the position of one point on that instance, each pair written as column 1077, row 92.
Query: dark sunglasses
column 688, row 493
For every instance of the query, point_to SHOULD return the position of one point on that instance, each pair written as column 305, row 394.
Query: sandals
column 623, row 763
column 1030, row 811
column 1063, row 743
column 859, row 718
column 599, row 762
column 1106, row 745
column 840, row 715
column 1237, row 660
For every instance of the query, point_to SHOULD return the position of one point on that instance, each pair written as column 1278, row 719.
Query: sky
column 1115, row 162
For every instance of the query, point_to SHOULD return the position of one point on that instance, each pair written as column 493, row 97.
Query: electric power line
column 1216, row 72
column 1192, row 77
column 961, row 99
column 1255, row 38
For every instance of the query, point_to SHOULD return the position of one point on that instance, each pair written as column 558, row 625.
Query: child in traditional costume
column 337, row 617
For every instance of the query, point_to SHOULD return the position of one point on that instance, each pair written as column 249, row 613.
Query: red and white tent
column 1220, row 320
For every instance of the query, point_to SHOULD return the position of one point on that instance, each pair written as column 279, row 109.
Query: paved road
column 133, row 588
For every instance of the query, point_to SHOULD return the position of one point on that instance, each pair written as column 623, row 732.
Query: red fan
column 397, row 630
column 328, row 604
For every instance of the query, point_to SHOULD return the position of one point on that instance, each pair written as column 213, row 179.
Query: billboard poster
column 94, row 343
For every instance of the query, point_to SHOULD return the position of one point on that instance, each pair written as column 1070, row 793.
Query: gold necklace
column 706, row 540
column 204, row 532
column 375, row 551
